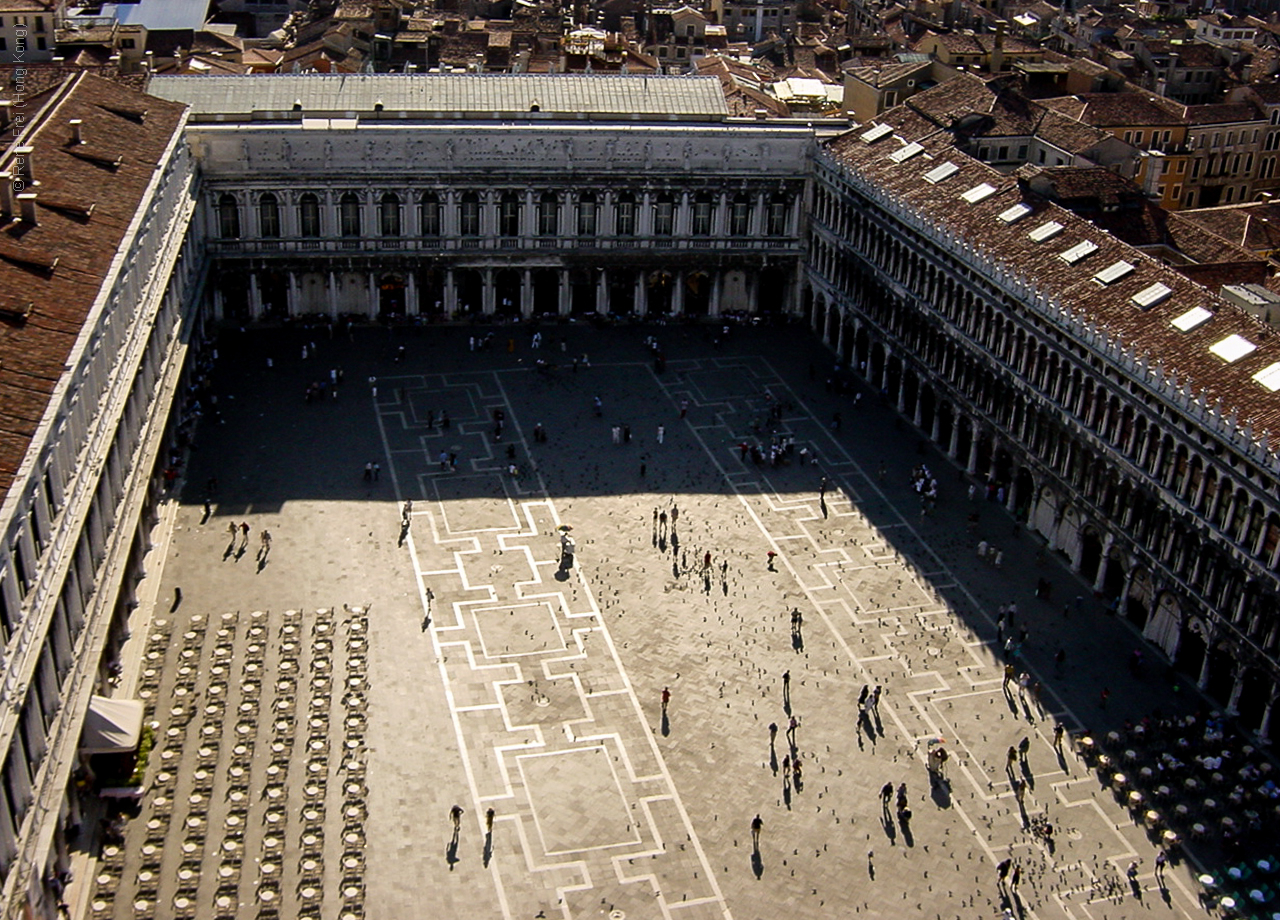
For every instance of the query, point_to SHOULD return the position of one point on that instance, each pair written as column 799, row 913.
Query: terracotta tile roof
column 71, row 180
column 1113, row 110
column 1221, row 113
column 1099, row 314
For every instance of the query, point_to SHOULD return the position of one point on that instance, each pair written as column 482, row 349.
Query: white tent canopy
column 111, row 726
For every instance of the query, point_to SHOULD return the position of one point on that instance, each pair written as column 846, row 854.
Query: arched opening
column 431, row 292
column 1191, row 652
column 1222, row 677
column 660, row 285
column 546, row 292
column 349, row 215
column 391, row 295
column 697, row 294
column 875, row 363
column 1024, row 489
column 832, row 336
column 946, row 422
column 1138, row 605
column 807, row 308
column 582, row 292
column 234, row 287
column 228, row 217
column 927, row 410
column 964, row 441
column 622, row 292
column 910, row 392
column 470, row 287
column 893, row 378
column 269, row 216
column 1254, row 693
column 861, row 349
column 506, row 292
column 1090, row 554
column 1002, row 468
column 389, row 215
column 273, row 288
column 772, row 293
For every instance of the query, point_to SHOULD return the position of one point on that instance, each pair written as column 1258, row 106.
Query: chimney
column 22, row 158
column 6, row 195
column 6, row 114
column 997, row 52
column 77, row 134
column 27, row 205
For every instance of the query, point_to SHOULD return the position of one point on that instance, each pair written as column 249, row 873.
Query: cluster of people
column 925, row 485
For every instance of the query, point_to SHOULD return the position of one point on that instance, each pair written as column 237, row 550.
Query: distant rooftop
column 441, row 94
column 156, row 15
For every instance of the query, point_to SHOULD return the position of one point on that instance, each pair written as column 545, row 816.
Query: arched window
column 664, row 215
column 469, row 214
column 269, row 216
column 429, row 216
column 228, row 217
column 349, row 215
column 509, row 215
column 626, row 223
column 703, row 208
column 309, row 215
column 389, row 215
column 587, row 214
column 739, row 216
column 549, row 215
column 777, row 219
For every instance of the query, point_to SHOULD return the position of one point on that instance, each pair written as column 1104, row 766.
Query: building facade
column 1120, row 411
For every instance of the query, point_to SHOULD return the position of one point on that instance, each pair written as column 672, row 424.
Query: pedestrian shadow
column 426, row 622
column 231, row 548
column 706, row 584
column 240, row 552
column 1011, row 702
column 865, row 725
column 757, row 863
column 1027, row 713
column 890, row 829
column 724, row 588
column 940, row 791
column 786, row 795
column 1028, row 776
column 662, row 544
column 879, row 725
column 666, row 725
column 404, row 533
column 451, row 852
column 797, row 641
column 488, row 848
column 904, row 821
column 773, row 759
column 262, row 564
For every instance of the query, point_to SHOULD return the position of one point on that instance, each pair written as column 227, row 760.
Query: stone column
column 1233, row 704
column 972, row 466
column 1107, row 543
column 953, row 449
column 291, row 295
column 255, row 297
column 488, row 294
column 411, row 305
column 1202, row 680
column 526, row 292
column 333, row 295
column 753, row 292
column 717, row 288
column 677, row 294
column 642, row 293
column 602, row 292
column 450, row 293
column 1264, row 728
column 219, row 303
column 564, row 304
column 374, row 303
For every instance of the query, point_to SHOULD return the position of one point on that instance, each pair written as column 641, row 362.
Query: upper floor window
column 509, row 215
column 777, row 220
column 309, row 215
column 739, row 216
column 549, row 215
column 349, row 215
column 664, row 216
column 269, row 216
column 626, row 214
column 228, row 217
column 587, row 215
column 702, row 206
column 429, row 215
column 389, row 215
column 469, row 215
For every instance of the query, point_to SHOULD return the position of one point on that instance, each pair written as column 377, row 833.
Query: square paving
column 320, row 707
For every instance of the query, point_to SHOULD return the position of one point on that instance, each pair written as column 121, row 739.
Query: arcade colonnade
column 1177, row 533
column 519, row 252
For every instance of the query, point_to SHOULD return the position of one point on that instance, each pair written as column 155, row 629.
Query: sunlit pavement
column 535, row 687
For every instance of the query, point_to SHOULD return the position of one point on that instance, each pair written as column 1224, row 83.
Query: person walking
column 662, row 433
column 757, row 826
column 455, row 815
column 488, row 821
column 666, row 699
column 1002, row 871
